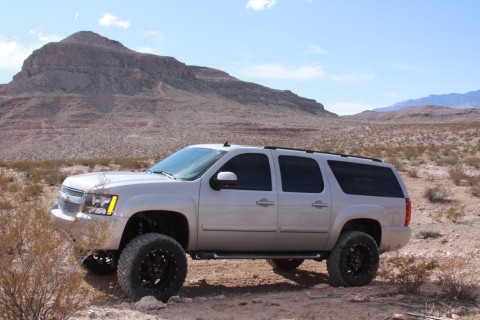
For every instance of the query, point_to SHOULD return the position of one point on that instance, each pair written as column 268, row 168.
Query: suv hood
column 90, row 181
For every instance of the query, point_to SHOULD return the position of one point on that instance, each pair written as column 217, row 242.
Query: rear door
column 304, row 203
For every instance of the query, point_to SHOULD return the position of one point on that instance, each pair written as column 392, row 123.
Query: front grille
column 72, row 192
column 70, row 200
column 68, row 207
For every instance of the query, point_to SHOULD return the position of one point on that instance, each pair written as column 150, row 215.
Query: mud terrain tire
column 354, row 260
column 152, row 264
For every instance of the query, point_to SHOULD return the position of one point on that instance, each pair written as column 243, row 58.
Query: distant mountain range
column 452, row 100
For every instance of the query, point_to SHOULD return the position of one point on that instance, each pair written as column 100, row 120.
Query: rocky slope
column 420, row 114
column 89, row 90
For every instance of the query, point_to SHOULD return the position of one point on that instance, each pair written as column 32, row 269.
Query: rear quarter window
column 366, row 180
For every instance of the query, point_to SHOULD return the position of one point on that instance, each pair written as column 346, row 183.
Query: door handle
column 320, row 204
column 265, row 202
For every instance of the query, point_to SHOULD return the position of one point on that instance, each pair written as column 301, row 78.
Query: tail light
column 408, row 212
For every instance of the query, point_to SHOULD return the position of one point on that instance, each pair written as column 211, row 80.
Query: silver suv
column 240, row 202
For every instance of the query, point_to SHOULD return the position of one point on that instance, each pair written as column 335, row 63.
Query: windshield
column 188, row 163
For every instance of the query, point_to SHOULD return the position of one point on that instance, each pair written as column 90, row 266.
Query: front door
column 242, row 217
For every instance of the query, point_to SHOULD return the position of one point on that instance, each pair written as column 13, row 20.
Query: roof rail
column 324, row 152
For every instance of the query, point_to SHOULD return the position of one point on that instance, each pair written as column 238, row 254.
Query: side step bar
column 241, row 255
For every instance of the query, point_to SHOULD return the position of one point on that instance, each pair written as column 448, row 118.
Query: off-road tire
column 152, row 264
column 285, row 264
column 354, row 260
column 100, row 266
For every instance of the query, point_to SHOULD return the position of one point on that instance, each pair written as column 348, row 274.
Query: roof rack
column 324, row 152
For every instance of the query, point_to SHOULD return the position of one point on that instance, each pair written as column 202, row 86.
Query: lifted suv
column 240, row 202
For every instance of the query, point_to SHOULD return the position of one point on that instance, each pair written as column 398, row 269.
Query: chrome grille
column 72, row 192
column 70, row 200
column 68, row 207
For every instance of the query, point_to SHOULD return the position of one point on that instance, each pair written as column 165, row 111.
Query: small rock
column 243, row 303
column 399, row 316
column 360, row 298
column 257, row 300
column 187, row 300
column 273, row 304
column 220, row 297
column 124, row 305
column 91, row 314
column 321, row 286
column 174, row 299
column 149, row 303
column 455, row 316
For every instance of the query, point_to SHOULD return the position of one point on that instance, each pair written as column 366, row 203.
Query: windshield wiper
column 165, row 173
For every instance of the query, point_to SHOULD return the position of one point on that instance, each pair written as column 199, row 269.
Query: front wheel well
column 368, row 226
column 172, row 224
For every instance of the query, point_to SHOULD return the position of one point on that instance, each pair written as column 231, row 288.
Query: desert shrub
column 446, row 160
column 473, row 161
column 39, row 276
column 412, row 173
column 458, row 279
column 436, row 194
column 475, row 190
column 454, row 214
column 407, row 272
column 458, row 176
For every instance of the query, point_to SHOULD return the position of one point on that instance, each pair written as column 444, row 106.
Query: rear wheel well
column 369, row 226
column 172, row 224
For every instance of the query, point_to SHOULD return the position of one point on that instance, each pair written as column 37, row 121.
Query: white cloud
column 45, row 38
column 145, row 49
column 75, row 18
column 315, row 48
column 281, row 72
column 347, row 108
column 355, row 76
column 259, row 5
column 108, row 20
column 12, row 55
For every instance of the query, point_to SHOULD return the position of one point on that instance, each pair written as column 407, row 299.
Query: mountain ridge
column 452, row 100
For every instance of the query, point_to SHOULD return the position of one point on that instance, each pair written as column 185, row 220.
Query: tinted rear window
column 300, row 174
column 366, row 180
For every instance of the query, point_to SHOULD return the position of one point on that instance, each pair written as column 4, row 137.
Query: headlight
column 100, row 204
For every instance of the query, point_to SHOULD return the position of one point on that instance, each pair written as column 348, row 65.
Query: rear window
column 366, row 180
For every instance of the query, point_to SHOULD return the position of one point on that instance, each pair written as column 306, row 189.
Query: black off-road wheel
column 152, row 264
column 285, row 264
column 354, row 260
column 100, row 263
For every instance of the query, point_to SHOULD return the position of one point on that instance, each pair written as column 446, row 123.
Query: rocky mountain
column 89, row 90
column 420, row 114
column 452, row 100
column 90, row 65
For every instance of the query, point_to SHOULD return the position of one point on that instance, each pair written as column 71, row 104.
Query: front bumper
column 105, row 232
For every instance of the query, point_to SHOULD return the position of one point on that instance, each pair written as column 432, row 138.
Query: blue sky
column 349, row 55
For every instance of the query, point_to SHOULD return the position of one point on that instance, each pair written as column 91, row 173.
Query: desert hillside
column 420, row 115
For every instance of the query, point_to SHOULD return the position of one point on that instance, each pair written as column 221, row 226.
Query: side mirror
column 223, row 179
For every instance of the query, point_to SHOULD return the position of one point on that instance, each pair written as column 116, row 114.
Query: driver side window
column 252, row 170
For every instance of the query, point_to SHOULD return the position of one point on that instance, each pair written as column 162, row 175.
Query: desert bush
column 412, row 173
column 454, row 214
column 475, row 190
column 473, row 161
column 458, row 279
column 436, row 194
column 39, row 276
column 458, row 175
column 407, row 272
column 446, row 160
